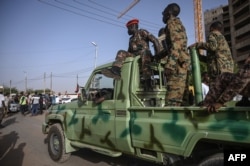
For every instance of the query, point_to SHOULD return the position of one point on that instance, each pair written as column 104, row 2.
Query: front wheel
column 56, row 144
column 213, row 160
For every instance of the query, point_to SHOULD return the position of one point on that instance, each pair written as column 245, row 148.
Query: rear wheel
column 213, row 160
column 56, row 144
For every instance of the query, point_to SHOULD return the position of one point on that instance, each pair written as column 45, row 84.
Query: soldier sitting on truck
column 226, row 86
column 138, row 45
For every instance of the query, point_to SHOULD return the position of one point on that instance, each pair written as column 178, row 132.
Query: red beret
column 134, row 21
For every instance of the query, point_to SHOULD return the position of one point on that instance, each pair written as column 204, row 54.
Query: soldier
column 178, row 59
column 228, row 85
column 138, row 45
column 219, row 58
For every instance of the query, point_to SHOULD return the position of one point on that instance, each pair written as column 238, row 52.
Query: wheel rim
column 55, row 144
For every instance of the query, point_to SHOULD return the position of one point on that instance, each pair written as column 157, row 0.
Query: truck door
column 101, row 118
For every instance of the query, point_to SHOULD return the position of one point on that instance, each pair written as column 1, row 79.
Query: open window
column 99, row 85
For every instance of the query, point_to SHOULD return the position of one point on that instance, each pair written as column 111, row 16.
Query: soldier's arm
column 211, row 44
column 155, row 42
column 173, row 51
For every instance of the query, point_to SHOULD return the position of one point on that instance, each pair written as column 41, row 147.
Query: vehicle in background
column 68, row 100
column 14, row 107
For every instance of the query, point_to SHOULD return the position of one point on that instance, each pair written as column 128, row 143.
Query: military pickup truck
column 137, row 122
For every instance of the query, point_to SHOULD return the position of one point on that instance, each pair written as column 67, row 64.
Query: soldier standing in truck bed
column 138, row 45
column 178, row 59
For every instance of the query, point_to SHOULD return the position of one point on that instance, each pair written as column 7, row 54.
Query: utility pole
column 25, row 81
column 10, row 87
column 51, row 83
column 44, row 79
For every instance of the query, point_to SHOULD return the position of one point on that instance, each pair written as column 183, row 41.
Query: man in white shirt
column 204, row 84
column 35, row 104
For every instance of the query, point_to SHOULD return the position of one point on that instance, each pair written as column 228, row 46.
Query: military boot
column 114, row 72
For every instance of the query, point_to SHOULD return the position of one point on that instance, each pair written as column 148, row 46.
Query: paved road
column 22, row 143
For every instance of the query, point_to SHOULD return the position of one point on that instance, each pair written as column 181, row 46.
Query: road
column 22, row 143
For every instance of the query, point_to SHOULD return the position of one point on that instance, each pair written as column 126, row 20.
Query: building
column 236, row 20
column 239, row 11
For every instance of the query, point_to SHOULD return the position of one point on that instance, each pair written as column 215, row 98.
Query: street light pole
column 25, row 80
column 95, row 51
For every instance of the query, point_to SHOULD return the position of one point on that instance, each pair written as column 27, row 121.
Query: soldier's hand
column 214, row 107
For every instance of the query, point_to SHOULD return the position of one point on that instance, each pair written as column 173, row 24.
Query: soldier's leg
column 115, row 71
column 238, row 83
column 146, row 71
column 217, row 86
column 176, row 86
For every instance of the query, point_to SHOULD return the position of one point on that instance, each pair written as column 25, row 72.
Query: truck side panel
column 177, row 130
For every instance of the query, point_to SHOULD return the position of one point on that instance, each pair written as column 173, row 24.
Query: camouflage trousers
column 145, row 61
column 176, row 85
column 226, row 86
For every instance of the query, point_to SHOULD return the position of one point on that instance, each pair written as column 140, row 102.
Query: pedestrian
column 178, row 59
column 138, row 46
column 226, row 86
column 29, row 99
column 219, row 58
column 204, row 84
column 23, row 103
column 7, row 102
column 41, row 105
column 35, row 104
column 2, row 106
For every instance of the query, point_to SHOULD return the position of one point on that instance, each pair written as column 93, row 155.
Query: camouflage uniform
column 219, row 58
column 228, row 85
column 178, row 60
column 139, row 45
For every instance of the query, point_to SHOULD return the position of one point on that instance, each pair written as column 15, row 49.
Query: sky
column 49, row 42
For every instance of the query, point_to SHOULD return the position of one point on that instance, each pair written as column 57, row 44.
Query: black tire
column 213, row 160
column 56, row 144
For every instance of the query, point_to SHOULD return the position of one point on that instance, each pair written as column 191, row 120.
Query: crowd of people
column 33, row 104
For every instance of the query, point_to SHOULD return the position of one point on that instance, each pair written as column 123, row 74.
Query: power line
column 153, row 27
column 146, row 22
column 50, row 4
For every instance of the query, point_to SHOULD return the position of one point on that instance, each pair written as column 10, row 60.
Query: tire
column 213, row 160
column 56, row 144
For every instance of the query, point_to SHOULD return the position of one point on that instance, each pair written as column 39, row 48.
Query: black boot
column 148, row 85
column 114, row 72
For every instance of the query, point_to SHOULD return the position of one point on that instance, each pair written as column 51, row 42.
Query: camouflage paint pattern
column 219, row 58
column 178, row 60
column 139, row 46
